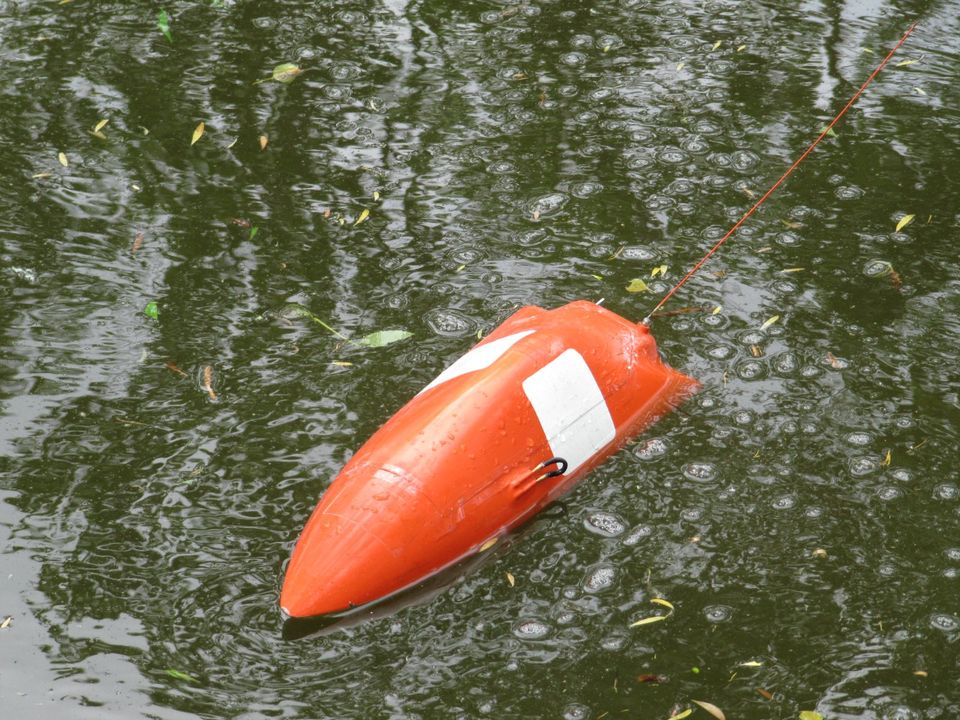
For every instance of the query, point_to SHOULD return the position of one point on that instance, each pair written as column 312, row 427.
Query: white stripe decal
column 571, row 409
column 478, row 358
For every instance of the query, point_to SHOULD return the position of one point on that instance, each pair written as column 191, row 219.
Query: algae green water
column 801, row 514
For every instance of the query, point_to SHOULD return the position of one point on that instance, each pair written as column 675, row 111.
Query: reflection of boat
column 504, row 431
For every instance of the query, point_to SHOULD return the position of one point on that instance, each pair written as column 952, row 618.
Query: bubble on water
column 576, row 711
column 701, row 471
column 707, row 402
column 750, row 370
column 599, row 578
column 604, row 524
column 614, row 643
column 901, row 475
column 951, row 573
column 877, row 268
column 396, row 301
column 573, row 58
column 813, row 512
column 587, row 117
column 707, row 127
column 784, row 502
column 342, row 71
column 651, row 449
column 887, row 569
column 744, row 417
column 952, row 553
column 785, row 363
column 695, row 145
column 721, row 352
column 452, row 323
column 946, row 491
column 501, row 167
column 692, row 514
column 637, row 534
column 859, row 437
column 565, row 616
column 848, row 192
column 600, row 94
column 337, row 92
column 717, row 613
column 744, row 160
column 784, row 286
column 944, row 622
column 809, row 428
column 656, row 202
column 586, row 189
column 465, row 255
column 637, row 252
column 529, row 238
column 549, row 203
column 720, row 160
column 863, row 465
column 531, row 630
column 901, row 712
column 788, row 239
column 716, row 321
column 751, row 337
column 903, row 422
column 568, row 91
column 672, row 156
column 811, row 371
column 888, row 493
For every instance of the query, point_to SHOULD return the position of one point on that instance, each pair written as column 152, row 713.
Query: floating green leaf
column 163, row 22
column 253, row 232
column 177, row 674
column 828, row 131
column 152, row 310
column 296, row 310
column 383, row 337
column 637, row 285
column 286, row 72
column 681, row 715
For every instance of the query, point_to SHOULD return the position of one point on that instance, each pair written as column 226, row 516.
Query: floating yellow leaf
column 659, row 270
column 662, row 601
column 6, row 622
column 717, row 44
column 489, row 544
column 363, row 216
column 648, row 620
column 232, row 143
column 769, row 322
column 716, row 310
column 637, row 285
column 100, row 125
column 919, row 91
column 63, row 159
column 810, row 715
column 712, row 709
column 197, row 133
column 681, row 715
column 751, row 663
column 376, row 195
column 286, row 72
column 904, row 63
column 741, row 48
column 596, row 277
column 904, row 221
column 342, row 363
column 920, row 673
column 679, row 66
column 887, row 459
column 510, row 579
column 208, row 382
column 263, row 142
column 37, row 176
column 792, row 270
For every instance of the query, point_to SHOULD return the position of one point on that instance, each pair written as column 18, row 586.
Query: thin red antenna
column 748, row 213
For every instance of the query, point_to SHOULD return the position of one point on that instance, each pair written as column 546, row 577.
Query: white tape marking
column 478, row 358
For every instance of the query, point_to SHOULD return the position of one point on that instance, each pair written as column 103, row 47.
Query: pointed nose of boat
column 336, row 565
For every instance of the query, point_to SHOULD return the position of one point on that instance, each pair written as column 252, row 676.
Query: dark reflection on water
column 802, row 511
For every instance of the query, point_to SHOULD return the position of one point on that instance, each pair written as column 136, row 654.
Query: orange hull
column 464, row 461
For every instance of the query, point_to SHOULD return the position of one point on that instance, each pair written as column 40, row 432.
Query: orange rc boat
column 504, row 431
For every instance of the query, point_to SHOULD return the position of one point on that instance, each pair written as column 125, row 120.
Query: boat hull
column 506, row 430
